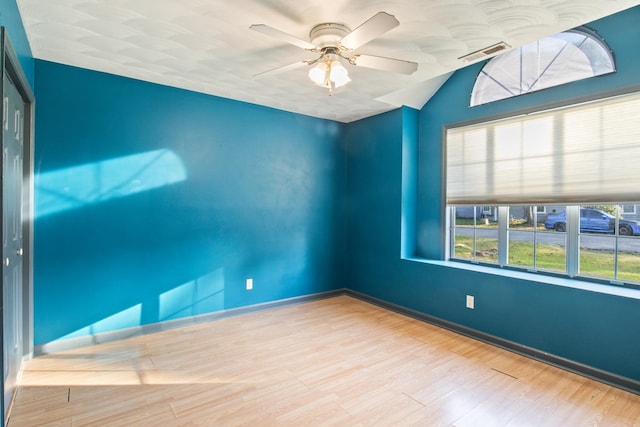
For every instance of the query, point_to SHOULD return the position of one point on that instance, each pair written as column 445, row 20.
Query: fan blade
column 282, row 69
column 272, row 32
column 385, row 64
column 377, row 25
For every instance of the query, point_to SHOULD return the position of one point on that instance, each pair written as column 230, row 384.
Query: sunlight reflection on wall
column 129, row 317
column 205, row 294
column 78, row 186
column 202, row 295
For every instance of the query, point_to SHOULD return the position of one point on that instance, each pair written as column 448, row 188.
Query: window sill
column 533, row 277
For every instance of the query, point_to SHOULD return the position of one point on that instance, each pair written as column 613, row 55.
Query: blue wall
column 154, row 203
column 10, row 18
column 588, row 327
column 374, row 186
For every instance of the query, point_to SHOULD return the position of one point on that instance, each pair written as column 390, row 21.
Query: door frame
column 10, row 64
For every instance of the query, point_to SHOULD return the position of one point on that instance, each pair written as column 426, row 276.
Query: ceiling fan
column 333, row 42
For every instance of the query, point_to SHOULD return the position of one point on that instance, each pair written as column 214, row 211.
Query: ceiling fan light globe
column 318, row 73
column 341, row 82
column 338, row 74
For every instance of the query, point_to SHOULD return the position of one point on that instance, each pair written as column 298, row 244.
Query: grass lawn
column 596, row 263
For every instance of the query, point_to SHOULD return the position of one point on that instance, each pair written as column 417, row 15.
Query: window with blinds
column 551, row 192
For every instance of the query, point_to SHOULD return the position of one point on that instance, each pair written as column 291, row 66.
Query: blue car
column 593, row 220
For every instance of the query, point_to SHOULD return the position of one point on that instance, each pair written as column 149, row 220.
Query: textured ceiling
column 206, row 45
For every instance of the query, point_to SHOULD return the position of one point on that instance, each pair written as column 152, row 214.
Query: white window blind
column 582, row 153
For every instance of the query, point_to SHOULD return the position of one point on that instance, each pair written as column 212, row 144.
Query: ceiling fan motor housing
column 328, row 34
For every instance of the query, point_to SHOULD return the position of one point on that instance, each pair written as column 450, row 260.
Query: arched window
column 565, row 57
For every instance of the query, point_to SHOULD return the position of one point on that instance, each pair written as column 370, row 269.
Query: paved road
column 587, row 240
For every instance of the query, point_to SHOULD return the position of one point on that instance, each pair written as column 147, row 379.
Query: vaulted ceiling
column 207, row 46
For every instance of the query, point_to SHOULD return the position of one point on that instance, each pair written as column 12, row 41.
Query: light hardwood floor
column 334, row 362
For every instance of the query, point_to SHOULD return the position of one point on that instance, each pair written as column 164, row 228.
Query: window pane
column 629, row 259
column 551, row 251
column 628, row 244
column 534, row 246
column 522, row 223
column 551, row 245
column 597, row 256
column 598, row 242
column 476, row 233
column 487, row 234
column 521, row 246
column 463, row 245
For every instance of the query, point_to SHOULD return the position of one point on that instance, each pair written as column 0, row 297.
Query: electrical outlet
column 471, row 302
column 249, row 284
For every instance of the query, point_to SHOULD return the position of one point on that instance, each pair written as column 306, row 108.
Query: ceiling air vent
column 487, row 51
